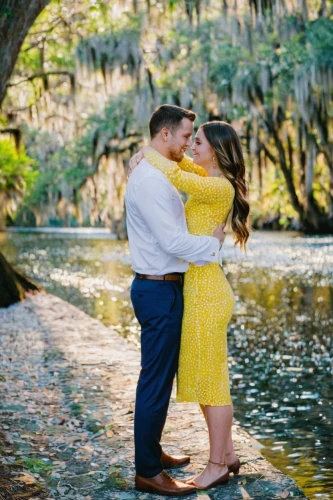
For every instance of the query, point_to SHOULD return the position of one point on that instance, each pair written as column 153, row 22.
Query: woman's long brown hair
column 227, row 148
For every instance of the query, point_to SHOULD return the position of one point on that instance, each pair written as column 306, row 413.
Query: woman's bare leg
column 219, row 421
column 203, row 409
column 231, row 456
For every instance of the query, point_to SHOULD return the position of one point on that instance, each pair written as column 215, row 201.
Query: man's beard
column 176, row 155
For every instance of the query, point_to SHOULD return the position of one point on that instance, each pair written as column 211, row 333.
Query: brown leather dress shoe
column 169, row 461
column 162, row 484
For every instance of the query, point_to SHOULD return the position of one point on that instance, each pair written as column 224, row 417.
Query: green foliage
column 71, row 164
column 6, row 11
column 16, row 168
column 320, row 40
column 117, row 117
column 254, row 74
column 36, row 466
column 76, row 409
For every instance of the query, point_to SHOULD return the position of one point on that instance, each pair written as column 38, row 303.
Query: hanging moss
column 265, row 66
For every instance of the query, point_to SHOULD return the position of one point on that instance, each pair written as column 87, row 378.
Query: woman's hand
column 219, row 233
column 134, row 162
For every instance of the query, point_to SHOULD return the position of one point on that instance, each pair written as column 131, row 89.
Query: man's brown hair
column 168, row 116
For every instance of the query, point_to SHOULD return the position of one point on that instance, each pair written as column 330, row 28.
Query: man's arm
column 155, row 206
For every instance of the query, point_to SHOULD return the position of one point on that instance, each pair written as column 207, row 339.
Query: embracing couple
column 180, row 294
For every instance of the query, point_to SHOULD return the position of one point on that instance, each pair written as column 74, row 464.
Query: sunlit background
column 87, row 78
column 90, row 72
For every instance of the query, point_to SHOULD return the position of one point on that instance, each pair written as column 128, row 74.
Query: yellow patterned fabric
column 203, row 374
column 188, row 165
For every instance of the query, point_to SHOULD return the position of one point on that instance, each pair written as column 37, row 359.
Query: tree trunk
column 16, row 18
column 287, row 173
column 311, row 211
column 2, row 211
column 13, row 284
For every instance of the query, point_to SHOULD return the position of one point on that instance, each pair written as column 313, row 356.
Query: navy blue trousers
column 158, row 306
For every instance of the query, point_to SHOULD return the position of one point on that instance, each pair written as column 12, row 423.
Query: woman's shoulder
column 225, row 184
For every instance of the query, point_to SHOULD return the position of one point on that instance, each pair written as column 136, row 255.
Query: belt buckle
column 169, row 277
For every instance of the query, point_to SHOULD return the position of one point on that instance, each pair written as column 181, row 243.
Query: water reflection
column 280, row 340
column 281, row 355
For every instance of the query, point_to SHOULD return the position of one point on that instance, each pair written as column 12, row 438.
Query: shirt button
column 212, row 254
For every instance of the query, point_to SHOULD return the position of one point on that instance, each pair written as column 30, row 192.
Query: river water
column 280, row 337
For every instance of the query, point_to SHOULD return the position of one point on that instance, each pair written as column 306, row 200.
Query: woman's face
column 203, row 153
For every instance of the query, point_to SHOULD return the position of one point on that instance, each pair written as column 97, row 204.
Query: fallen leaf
column 244, row 493
column 87, row 449
column 283, row 494
column 25, row 478
column 61, row 490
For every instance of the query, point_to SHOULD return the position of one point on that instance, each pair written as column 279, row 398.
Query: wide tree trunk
column 13, row 284
column 16, row 18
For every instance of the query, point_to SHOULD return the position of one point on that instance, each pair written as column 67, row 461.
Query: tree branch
column 41, row 75
column 56, row 22
column 16, row 133
column 268, row 153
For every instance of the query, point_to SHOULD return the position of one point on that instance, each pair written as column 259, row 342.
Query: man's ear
column 165, row 134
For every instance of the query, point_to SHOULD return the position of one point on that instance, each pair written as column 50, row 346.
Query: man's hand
column 134, row 161
column 219, row 233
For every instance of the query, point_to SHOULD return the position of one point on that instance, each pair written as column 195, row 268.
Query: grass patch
column 36, row 466
column 76, row 409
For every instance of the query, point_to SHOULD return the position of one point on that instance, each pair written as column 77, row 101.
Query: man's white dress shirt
column 158, row 237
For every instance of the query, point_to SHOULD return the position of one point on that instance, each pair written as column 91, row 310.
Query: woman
column 215, row 181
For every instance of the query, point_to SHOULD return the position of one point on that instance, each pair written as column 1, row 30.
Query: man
column 161, row 249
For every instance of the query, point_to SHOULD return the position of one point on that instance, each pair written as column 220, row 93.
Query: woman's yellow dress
column 203, row 374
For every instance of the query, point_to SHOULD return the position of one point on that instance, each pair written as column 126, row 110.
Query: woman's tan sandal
column 234, row 467
column 221, row 480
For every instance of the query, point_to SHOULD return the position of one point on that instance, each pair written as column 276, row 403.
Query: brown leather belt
column 163, row 277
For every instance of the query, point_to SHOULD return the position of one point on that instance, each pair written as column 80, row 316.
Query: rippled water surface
column 280, row 337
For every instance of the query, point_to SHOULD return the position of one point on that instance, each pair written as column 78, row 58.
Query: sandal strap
column 221, row 464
